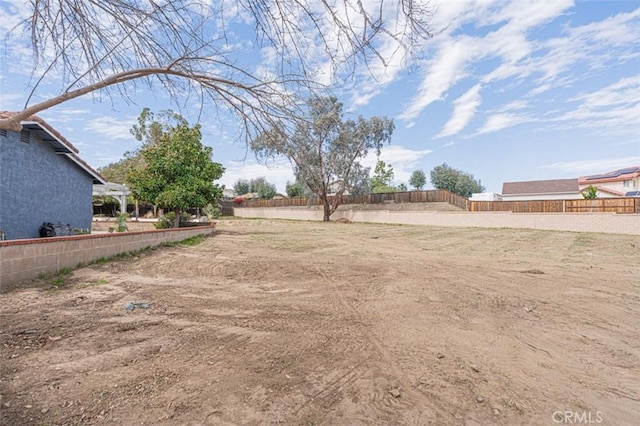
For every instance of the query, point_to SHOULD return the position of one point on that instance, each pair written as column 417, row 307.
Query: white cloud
column 615, row 108
column 593, row 166
column 110, row 127
column 455, row 53
column 502, row 121
column 447, row 67
column 463, row 110
column 278, row 172
column 403, row 160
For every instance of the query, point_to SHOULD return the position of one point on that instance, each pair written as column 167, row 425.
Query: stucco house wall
column 39, row 185
column 613, row 184
column 616, row 188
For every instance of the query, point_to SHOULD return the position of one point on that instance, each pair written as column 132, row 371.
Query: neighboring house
column 42, row 179
column 554, row 189
column 620, row 183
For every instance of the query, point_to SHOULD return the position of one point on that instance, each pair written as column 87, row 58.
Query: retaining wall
column 580, row 222
column 23, row 260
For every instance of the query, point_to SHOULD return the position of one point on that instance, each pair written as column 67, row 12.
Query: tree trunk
column 327, row 208
column 176, row 221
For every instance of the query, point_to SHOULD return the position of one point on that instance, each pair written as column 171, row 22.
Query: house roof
column 615, row 176
column 609, row 191
column 552, row 186
column 58, row 142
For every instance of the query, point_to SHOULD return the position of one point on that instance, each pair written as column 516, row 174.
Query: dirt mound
column 342, row 220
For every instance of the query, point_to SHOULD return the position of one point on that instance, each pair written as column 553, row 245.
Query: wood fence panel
column 603, row 205
column 599, row 205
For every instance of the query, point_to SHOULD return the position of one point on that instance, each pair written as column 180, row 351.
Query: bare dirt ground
column 327, row 323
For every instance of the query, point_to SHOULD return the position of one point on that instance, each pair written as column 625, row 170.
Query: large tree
column 148, row 130
column 454, row 180
column 195, row 49
column 325, row 149
column 418, row 179
column 178, row 171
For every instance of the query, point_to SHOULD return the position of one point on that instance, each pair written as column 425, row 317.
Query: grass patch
column 55, row 279
column 193, row 241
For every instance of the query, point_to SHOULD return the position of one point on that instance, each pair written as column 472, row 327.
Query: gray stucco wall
column 37, row 185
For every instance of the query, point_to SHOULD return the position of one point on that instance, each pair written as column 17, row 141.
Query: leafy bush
column 122, row 222
column 211, row 211
column 590, row 193
column 266, row 191
column 166, row 221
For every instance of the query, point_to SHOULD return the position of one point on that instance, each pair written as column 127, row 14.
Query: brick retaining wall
column 22, row 260
column 579, row 222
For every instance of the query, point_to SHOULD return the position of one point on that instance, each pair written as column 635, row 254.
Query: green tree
column 382, row 179
column 418, row 179
column 454, row 180
column 402, row 187
column 360, row 183
column 266, row 190
column 241, row 187
column 148, row 131
column 295, row 189
column 325, row 149
column 590, row 193
column 178, row 172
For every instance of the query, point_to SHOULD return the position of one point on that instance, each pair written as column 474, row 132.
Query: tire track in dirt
column 388, row 391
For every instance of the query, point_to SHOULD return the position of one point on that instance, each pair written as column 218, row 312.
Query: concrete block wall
column 579, row 222
column 24, row 260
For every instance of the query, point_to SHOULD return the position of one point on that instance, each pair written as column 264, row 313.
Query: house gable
column 42, row 179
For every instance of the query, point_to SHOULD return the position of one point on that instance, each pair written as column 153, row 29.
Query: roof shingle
column 551, row 186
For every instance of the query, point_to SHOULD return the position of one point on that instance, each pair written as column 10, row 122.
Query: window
column 25, row 136
column 626, row 183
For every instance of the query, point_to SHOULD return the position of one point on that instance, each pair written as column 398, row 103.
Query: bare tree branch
column 188, row 47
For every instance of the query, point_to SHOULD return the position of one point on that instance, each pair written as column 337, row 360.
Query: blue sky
column 508, row 91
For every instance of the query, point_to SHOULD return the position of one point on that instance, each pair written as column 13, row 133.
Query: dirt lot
column 327, row 323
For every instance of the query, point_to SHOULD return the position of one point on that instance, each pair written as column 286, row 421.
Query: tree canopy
column 382, row 179
column 149, row 129
column 418, row 179
column 259, row 185
column 192, row 49
column 454, row 180
column 325, row 149
column 178, row 171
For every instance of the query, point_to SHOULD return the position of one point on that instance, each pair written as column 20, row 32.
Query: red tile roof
column 614, row 176
column 552, row 186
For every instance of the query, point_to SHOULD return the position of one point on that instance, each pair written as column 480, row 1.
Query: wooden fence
column 382, row 198
column 604, row 205
column 600, row 205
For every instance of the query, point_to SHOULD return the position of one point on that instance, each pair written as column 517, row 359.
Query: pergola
column 115, row 190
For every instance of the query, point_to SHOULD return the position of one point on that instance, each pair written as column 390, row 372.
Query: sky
column 507, row 91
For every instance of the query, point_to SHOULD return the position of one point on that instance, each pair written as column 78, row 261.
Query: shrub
column 122, row 222
column 211, row 211
column 166, row 221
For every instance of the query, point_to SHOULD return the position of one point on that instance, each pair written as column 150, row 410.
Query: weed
column 55, row 279
column 192, row 241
